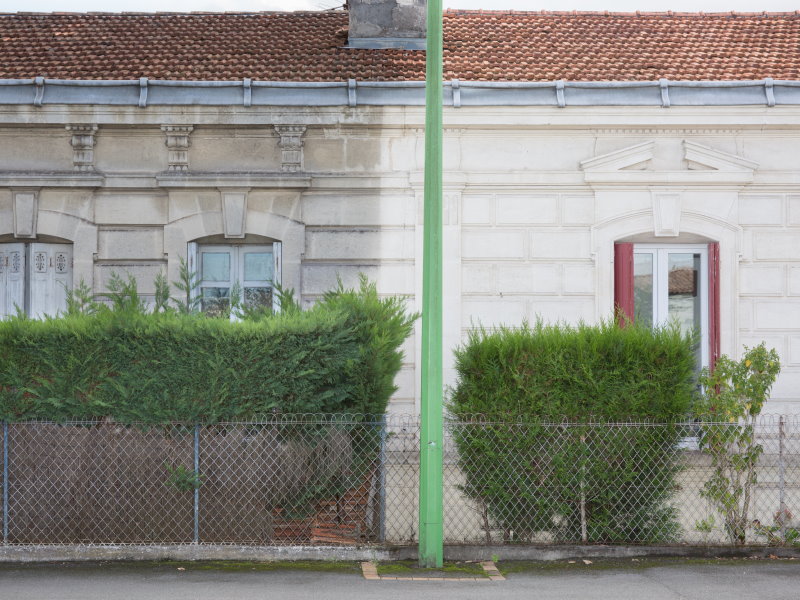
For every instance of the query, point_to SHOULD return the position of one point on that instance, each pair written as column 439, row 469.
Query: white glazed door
column 12, row 279
column 217, row 271
column 277, row 255
column 50, row 272
column 251, row 268
column 670, row 285
column 256, row 274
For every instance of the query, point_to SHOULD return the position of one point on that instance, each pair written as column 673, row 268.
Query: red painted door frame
column 623, row 293
column 623, row 283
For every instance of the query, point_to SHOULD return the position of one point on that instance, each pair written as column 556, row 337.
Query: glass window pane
column 215, row 301
column 216, row 266
column 258, row 296
column 684, row 296
column 643, row 288
column 258, row 266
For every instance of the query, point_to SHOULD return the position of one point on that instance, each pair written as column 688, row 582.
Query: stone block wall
column 532, row 209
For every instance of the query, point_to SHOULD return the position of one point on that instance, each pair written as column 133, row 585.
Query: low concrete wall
column 29, row 554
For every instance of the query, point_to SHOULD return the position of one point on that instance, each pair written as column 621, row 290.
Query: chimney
column 387, row 24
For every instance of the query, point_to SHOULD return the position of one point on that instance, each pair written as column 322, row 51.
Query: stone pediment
column 668, row 161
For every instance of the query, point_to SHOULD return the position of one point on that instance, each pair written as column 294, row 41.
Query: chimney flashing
column 378, row 43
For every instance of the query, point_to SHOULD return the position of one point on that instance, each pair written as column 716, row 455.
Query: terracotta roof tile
column 478, row 45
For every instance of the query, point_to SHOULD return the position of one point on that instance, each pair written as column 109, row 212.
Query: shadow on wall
column 368, row 227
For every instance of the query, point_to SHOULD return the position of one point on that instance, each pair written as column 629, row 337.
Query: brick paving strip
column 491, row 570
column 370, row 571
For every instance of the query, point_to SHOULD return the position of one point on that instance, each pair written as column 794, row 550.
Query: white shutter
column 191, row 265
column 277, row 257
column 191, row 257
column 12, row 279
column 62, row 276
column 50, row 276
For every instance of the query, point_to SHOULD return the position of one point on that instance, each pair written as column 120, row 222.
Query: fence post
column 382, row 484
column 584, row 532
column 782, row 474
column 196, row 538
column 5, row 482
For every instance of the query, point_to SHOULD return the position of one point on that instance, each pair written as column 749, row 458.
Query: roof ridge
column 608, row 13
column 23, row 13
column 454, row 11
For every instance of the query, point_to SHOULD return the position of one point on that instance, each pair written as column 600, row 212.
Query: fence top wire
column 269, row 419
column 768, row 420
column 412, row 420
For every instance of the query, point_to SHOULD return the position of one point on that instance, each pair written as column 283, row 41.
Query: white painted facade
column 535, row 197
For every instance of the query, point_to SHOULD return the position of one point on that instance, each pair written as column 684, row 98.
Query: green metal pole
column 430, row 476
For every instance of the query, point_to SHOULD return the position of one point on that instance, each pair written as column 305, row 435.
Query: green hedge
column 536, row 478
column 130, row 365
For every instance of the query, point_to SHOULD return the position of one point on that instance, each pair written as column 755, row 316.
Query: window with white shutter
column 35, row 278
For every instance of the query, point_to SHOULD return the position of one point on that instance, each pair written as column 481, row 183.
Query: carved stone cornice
column 291, row 145
column 82, row 147
column 232, row 181
column 178, row 147
column 699, row 165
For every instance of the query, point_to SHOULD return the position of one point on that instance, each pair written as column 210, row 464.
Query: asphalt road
column 742, row 580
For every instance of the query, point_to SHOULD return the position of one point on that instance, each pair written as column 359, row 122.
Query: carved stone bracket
column 82, row 147
column 26, row 211
column 234, row 212
column 666, row 212
column 291, row 145
column 178, row 147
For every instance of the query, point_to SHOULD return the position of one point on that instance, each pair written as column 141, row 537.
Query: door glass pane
column 216, row 266
column 258, row 296
column 215, row 301
column 683, row 303
column 643, row 288
column 258, row 266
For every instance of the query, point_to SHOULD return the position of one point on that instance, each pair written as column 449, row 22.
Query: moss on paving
column 205, row 565
column 407, row 568
column 627, row 564
column 280, row 565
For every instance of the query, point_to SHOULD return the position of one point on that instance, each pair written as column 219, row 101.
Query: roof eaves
column 145, row 92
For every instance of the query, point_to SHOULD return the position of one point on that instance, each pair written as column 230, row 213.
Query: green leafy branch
column 182, row 478
column 735, row 393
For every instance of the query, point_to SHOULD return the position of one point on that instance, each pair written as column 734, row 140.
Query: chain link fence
column 353, row 480
column 617, row 483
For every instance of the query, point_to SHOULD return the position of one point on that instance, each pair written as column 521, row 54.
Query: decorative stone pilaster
column 291, row 145
column 82, row 147
column 178, row 147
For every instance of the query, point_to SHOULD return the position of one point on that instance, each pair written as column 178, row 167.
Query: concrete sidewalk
column 667, row 580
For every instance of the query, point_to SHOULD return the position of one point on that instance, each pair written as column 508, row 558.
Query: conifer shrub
column 545, row 457
column 380, row 325
column 130, row 362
